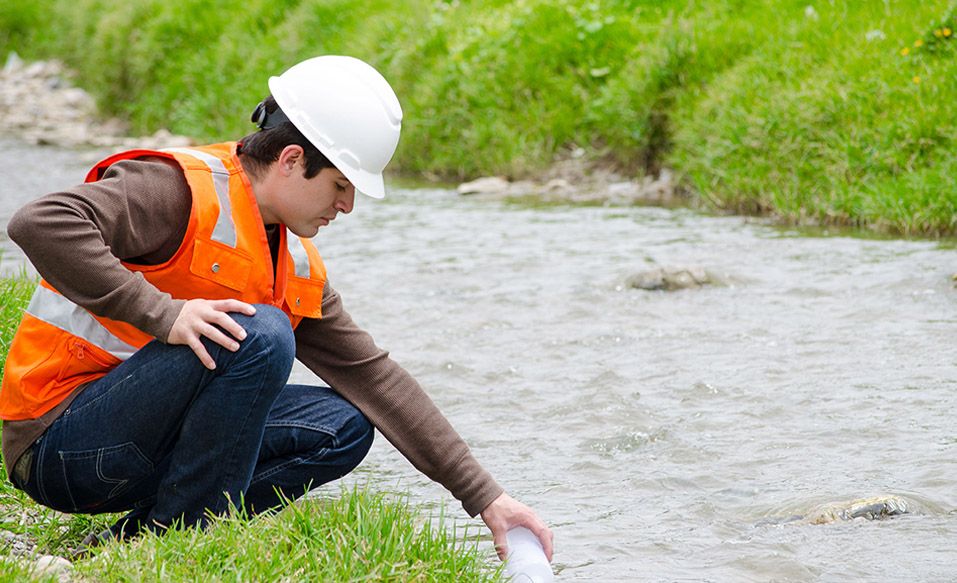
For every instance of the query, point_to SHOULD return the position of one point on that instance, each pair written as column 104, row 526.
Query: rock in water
column 671, row 278
column 874, row 508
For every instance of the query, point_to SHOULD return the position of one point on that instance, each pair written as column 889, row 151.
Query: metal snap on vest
column 297, row 301
column 215, row 267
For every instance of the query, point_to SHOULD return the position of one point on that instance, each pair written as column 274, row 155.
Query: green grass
column 15, row 293
column 812, row 115
column 360, row 535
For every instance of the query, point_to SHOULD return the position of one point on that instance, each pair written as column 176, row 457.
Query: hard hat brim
column 367, row 183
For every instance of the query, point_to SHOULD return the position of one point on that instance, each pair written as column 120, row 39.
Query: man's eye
column 340, row 187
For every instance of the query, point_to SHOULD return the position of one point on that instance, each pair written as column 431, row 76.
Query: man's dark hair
column 257, row 151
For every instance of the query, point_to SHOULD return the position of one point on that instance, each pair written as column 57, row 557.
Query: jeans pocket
column 94, row 477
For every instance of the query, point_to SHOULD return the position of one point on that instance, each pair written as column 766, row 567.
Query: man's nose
column 347, row 200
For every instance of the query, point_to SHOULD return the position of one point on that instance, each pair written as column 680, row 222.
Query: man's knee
column 354, row 440
column 268, row 329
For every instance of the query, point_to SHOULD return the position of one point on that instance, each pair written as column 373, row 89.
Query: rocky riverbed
column 41, row 106
column 575, row 180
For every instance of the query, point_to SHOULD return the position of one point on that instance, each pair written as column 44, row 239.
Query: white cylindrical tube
column 526, row 562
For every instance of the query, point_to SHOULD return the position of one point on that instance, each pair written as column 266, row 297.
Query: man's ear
column 290, row 156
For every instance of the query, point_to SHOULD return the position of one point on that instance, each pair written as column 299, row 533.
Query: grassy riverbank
column 834, row 112
column 359, row 535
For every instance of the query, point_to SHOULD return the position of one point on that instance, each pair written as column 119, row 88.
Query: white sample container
column 526, row 562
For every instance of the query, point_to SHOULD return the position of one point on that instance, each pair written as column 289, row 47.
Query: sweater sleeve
column 346, row 357
column 77, row 238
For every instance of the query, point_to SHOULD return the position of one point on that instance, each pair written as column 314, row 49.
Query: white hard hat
column 348, row 111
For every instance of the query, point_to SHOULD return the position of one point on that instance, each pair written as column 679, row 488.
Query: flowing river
column 666, row 436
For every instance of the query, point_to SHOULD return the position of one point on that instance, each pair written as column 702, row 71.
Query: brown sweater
column 137, row 213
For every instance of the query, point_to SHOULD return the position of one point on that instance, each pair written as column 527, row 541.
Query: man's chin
column 306, row 233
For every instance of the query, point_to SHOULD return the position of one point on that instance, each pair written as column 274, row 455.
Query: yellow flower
column 947, row 32
column 916, row 79
column 905, row 51
column 918, row 43
column 938, row 33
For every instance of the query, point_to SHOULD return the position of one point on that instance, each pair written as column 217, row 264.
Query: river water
column 664, row 436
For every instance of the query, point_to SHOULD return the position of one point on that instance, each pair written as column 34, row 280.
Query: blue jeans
column 167, row 439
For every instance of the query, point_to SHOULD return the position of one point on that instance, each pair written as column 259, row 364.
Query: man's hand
column 505, row 513
column 200, row 318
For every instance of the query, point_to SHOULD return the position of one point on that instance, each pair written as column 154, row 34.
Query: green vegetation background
column 833, row 111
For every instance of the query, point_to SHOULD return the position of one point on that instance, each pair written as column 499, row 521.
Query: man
column 149, row 372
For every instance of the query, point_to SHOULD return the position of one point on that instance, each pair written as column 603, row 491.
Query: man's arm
column 346, row 357
column 138, row 212
column 76, row 239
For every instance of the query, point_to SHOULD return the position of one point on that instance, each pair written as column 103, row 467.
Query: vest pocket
column 304, row 297
column 96, row 476
column 221, row 264
column 86, row 359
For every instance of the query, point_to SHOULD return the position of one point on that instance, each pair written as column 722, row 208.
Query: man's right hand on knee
column 209, row 318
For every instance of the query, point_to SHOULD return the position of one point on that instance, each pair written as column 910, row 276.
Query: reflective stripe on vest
column 224, row 231
column 299, row 256
column 57, row 310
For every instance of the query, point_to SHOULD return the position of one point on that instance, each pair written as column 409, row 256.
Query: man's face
column 306, row 204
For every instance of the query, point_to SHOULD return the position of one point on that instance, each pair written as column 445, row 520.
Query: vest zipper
column 80, row 354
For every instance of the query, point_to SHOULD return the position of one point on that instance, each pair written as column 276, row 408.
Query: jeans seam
column 66, row 482
column 309, row 426
column 298, row 460
column 99, row 397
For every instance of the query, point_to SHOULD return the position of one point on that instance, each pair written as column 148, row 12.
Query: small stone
column 77, row 98
column 163, row 138
column 699, row 275
column 649, row 280
column 557, row 184
column 56, row 566
column 35, row 69
column 680, row 280
column 624, row 189
column 484, row 185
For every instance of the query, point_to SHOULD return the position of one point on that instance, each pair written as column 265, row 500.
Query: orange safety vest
column 224, row 254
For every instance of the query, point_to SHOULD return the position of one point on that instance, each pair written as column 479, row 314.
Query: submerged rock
column 876, row 508
column 873, row 508
column 879, row 507
column 672, row 278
